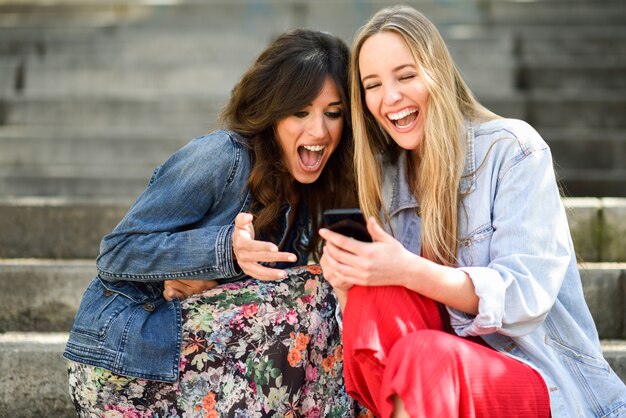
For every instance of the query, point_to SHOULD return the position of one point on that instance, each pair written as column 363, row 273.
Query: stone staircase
column 95, row 93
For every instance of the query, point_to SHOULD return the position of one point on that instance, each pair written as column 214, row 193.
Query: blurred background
column 95, row 93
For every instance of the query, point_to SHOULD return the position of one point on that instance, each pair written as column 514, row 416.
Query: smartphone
column 349, row 222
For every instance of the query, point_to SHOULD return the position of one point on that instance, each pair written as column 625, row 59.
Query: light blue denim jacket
column 179, row 228
column 517, row 250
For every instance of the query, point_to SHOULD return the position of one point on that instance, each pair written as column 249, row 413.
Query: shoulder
column 220, row 140
column 218, row 148
column 497, row 146
column 514, row 135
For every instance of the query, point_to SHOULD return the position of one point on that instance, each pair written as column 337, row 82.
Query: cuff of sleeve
column 490, row 291
column 339, row 318
column 224, row 249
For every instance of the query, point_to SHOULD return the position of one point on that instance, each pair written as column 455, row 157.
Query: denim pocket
column 474, row 248
column 102, row 305
column 578, row 356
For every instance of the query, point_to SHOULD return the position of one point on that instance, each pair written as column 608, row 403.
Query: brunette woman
column 236, row 209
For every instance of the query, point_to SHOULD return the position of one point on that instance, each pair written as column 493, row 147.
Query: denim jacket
column 517, row 250
column 179, row 228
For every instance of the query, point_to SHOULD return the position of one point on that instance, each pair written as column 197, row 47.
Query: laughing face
column 309, row 136
column 395, row 93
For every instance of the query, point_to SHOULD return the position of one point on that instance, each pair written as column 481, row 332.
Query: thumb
column 243, row 219
column 377, row 233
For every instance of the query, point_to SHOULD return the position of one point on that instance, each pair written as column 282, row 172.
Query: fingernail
column 293, row 258
column 282, row 275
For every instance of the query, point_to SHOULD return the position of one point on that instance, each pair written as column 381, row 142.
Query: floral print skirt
column 250, row 349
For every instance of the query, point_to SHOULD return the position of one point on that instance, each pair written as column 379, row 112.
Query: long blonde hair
column 436, row 167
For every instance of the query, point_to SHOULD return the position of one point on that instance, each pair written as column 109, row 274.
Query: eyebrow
column 396, row 69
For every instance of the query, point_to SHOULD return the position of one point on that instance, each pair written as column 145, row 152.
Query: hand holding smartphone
column 349, row 222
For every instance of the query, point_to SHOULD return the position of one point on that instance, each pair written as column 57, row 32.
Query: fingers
column 171, row 291
column 265, row 257
column 342, row 241
column 332, row 274
column 263, row 273
column 182, row 289
column 340, row 256
column 345, row 265
column 250, row 253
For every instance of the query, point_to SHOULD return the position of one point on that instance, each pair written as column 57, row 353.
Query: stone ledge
column 33, row 375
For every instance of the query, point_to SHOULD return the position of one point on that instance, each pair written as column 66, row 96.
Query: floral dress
column 250, row 349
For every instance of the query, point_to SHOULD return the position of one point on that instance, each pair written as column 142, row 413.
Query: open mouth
column 311, row 155
column 404, row 118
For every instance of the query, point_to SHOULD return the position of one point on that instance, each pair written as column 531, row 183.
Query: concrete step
column 574, row 77
column 196, row 111
column 56, row 227
column 70, row 228
column 334, row 13
column 603, row 110
column 599, row 149
column 41, row 294
column 557, row 12
column 592, row 182
column 39, row 147
column 132, row 61
column 604, row 285
column 33, row 376
column 598, row 228
column 114, row 182
column 601, row 41
column 130, row 65
column 50, row 292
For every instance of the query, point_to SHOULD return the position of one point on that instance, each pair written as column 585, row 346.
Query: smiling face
column 395, row 93
column 309, row 136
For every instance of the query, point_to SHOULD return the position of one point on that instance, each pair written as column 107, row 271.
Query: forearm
column 447, row 285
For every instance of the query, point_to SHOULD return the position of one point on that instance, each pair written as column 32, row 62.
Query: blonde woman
column 474, row 238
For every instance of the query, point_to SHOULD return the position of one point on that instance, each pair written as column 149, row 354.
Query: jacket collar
column 397, row 191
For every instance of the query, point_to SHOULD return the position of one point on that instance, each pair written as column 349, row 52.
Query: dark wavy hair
column 284, row 79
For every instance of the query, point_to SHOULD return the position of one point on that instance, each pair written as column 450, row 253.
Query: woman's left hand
column 351, row 262
column 182, row 289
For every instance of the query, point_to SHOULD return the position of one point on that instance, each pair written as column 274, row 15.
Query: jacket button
column 148, row 306
column 107, row 292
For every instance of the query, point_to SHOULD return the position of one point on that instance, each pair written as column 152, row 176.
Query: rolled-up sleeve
column 529, row 253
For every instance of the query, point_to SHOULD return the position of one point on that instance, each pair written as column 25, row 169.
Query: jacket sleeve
column 529, row 253
column 181, row 225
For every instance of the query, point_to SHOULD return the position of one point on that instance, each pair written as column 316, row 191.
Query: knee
column 427, row 349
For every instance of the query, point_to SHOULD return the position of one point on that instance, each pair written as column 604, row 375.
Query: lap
column 252, row 348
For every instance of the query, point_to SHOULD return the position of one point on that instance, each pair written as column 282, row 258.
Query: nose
column 317, row 126
column 392, row 95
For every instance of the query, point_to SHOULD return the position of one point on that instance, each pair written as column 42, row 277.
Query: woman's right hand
column 249, row 253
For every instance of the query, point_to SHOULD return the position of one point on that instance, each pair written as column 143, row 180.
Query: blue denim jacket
column 516, row 248
column 179, row 228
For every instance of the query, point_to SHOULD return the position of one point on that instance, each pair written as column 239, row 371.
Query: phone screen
column 349, row 222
